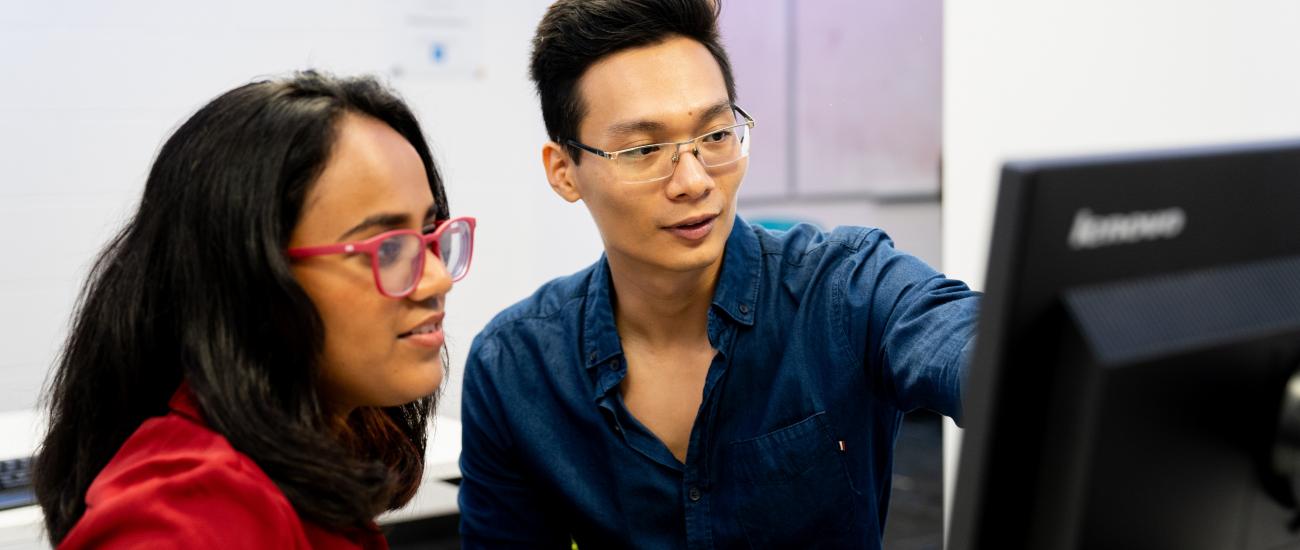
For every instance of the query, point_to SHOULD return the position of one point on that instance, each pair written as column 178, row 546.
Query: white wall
column 846, row 94
column 1027, row 78
column 91, row 90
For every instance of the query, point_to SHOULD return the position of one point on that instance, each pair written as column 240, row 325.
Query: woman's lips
column 427, row 334
column 425, row 339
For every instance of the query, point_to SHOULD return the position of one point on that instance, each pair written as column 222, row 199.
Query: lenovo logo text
column 1094, row 231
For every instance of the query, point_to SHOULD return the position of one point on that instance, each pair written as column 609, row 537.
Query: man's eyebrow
column 622, row 129
column 719, row 108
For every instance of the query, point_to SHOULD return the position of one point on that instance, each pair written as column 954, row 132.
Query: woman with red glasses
column 255, row 357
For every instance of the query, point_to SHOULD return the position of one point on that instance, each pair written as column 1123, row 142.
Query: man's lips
column 695, row 228
column 693, row 221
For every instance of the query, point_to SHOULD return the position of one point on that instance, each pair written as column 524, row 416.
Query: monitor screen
column 1128, row 387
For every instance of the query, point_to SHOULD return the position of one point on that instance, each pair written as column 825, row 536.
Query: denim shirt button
column 744, row 308
column 593, row 357
column 694, row 494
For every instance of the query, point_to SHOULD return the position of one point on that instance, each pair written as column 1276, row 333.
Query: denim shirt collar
column 599, row 333
column 737, row 291
column 736, row 295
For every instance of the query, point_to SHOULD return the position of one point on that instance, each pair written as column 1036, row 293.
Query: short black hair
column 575, row 34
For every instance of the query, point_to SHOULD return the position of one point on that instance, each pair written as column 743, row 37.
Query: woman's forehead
column 371, row 169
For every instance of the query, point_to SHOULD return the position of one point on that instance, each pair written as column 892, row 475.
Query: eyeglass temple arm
column 589, row 149
column 749, row 120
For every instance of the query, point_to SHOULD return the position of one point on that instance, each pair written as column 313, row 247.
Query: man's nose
column 690, row 179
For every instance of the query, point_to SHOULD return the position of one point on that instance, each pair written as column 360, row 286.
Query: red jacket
column 175, row 483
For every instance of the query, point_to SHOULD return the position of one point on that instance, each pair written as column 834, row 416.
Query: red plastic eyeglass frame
column 371, row 246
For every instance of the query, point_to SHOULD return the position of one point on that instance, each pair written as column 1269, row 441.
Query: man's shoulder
column 554, row 303
column 803, row 241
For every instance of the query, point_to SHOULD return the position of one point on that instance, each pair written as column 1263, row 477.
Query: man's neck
column 662, row 308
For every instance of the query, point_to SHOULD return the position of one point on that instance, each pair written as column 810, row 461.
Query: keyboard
column 16, row 483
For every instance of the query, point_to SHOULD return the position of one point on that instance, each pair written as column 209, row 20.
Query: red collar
column 184, row 403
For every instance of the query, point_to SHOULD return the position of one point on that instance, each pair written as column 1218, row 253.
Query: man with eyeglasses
column 706, row 383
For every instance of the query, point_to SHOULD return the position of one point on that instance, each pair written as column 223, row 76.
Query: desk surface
column 21, row 528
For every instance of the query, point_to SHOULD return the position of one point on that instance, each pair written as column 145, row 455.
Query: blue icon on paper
column 438, row 52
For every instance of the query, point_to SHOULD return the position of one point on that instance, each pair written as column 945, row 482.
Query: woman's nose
column 434, row 281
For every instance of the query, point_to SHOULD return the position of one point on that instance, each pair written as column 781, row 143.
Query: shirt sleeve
column 500, row 507
column 182, row 501
column 907, row 324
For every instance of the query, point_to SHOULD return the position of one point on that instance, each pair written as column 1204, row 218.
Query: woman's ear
column 560, row 171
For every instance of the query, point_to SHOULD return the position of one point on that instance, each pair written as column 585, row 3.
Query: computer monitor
column 1140, row 325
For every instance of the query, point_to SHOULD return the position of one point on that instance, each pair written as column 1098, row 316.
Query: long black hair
column 197, row 287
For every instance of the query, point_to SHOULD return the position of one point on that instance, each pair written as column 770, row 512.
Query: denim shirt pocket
column 794, row 488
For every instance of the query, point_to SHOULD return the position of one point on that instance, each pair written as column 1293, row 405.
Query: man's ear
column 560, row 171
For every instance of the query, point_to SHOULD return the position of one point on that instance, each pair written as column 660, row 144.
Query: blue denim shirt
column 823, row 341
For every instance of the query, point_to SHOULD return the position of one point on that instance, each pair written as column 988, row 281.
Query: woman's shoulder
column 174, row 451
column 175, row 479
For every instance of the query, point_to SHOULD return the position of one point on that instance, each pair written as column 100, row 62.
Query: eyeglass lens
column 716, row 149
column 454, row 246
column 400, row 258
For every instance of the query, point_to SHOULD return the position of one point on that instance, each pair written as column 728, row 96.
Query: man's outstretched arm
column 910, row 327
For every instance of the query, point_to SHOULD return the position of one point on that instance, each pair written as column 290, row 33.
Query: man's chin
column 696, row 259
